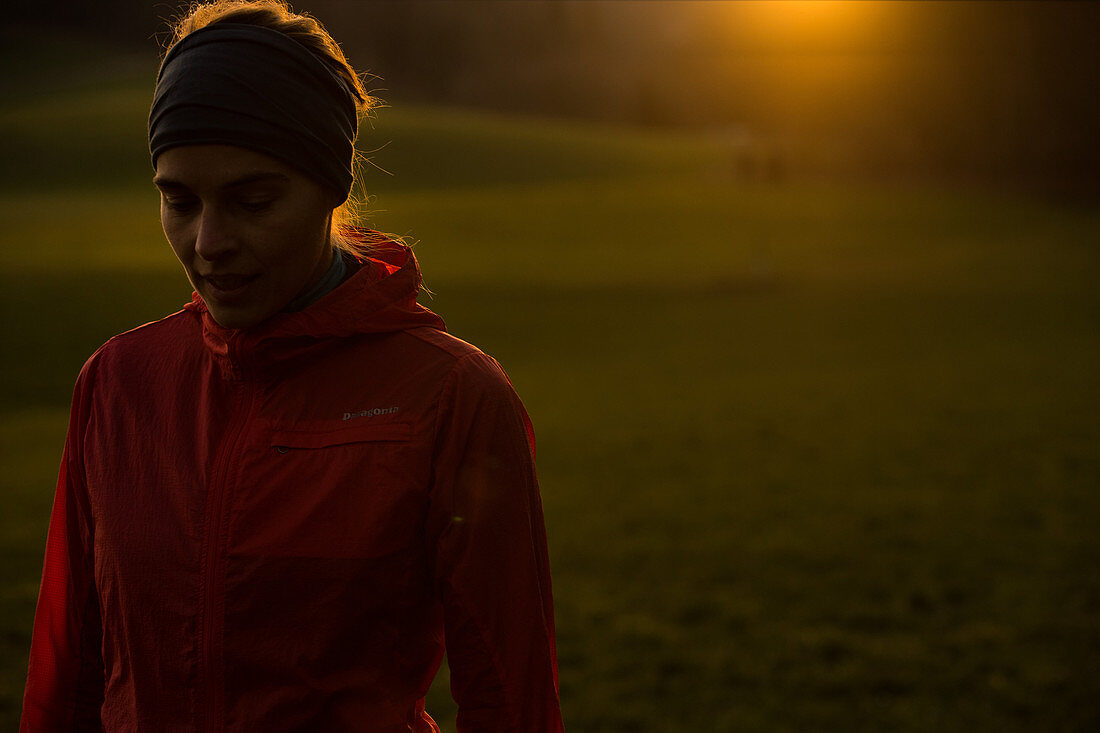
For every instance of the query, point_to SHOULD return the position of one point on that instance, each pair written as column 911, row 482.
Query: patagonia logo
column 370, row 413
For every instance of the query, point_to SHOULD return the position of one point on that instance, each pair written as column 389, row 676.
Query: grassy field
column 813, row 457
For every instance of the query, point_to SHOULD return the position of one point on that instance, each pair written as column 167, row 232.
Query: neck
column 335, row 274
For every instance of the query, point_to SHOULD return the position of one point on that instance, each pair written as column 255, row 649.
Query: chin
column 234, row 318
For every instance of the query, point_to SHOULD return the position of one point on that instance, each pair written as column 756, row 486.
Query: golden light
column 808, row 25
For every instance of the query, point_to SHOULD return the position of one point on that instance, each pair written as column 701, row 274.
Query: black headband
column 256, row 88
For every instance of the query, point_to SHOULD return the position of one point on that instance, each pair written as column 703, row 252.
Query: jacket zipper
column 214, row 550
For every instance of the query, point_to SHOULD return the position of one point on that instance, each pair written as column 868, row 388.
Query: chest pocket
column 285, row 440
column 350, row 492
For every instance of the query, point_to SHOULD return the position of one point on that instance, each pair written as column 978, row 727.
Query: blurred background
column 801, row 297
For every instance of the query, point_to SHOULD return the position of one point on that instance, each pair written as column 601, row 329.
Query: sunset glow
column 797, row 24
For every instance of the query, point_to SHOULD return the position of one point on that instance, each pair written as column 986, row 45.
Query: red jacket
column 275, row 529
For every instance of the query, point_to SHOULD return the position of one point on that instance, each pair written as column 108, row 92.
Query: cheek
column 178, row 238
column 176, row 242
column 298, row 241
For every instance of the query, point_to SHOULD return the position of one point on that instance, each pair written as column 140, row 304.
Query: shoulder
column 464, row 363
column 478, row 402
column 474, row 388
column 122, row 362
column 443, row 342
column 158, row 341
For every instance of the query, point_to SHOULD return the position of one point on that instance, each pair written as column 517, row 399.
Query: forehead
column 213, row 166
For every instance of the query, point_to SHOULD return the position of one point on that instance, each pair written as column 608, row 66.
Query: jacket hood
column 379, row 298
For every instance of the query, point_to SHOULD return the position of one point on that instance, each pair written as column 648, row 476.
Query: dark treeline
column 1002, row 91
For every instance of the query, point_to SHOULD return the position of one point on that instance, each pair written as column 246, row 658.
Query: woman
column 276, row 505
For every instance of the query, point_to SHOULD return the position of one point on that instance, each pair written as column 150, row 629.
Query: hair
column 307, row 31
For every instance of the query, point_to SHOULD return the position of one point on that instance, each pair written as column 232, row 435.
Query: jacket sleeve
column 491, row 563
column 65, row 678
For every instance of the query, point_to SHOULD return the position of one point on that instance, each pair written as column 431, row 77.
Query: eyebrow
column 163, row 182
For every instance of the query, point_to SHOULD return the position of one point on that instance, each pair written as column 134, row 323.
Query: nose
column 215, row 238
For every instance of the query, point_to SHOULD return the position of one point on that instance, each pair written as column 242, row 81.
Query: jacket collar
column 379, row 298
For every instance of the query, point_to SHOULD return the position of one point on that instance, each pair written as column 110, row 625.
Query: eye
column 179, row 204
column 256, row 205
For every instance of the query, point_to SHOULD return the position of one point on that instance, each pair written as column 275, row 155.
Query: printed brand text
column 370, row 413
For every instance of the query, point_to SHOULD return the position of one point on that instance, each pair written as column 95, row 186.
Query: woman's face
column 251, row 232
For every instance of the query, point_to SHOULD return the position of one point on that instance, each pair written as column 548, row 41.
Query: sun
column 802, row 23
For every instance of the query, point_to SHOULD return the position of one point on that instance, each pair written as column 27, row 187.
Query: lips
column 229, row 284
